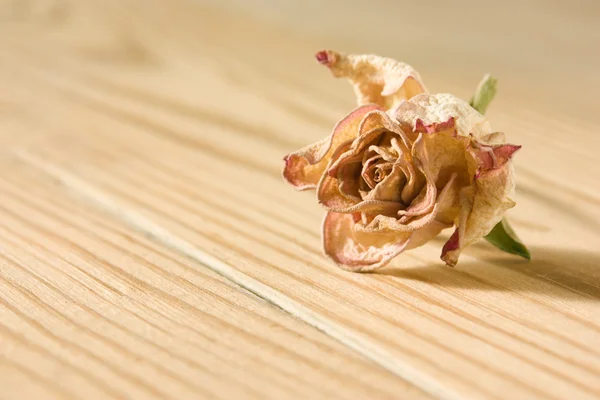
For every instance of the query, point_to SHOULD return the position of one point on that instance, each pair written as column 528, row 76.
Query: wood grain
column 90, row 309
column 169, row 120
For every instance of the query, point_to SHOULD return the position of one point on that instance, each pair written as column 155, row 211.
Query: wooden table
column 150, row 250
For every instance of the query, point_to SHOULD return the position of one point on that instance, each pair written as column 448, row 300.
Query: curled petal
column 381, row 120
column 373, row 125
column 388, row 188
column 304, row 168
column 429, row 109
column 492, row 157
column 424, row 201
column 414, row 182
column 443, row 204
column 450, row 247
column 355, row 152
column 434, row 127
column 383, row 81
column 368, row 165
column 482, row 206
column 331, row 197
column 359, row 251
column 441, row 153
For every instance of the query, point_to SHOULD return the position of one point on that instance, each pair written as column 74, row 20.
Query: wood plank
column 90, row 309
column 182, row 139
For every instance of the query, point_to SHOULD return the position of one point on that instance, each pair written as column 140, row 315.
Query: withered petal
column 383, row 81
column 425, row 200
column 432, row 109
column 304, row 168
column 378, row 119
column 384, row 223
column 359, row 251
column 482, row 206
column 330, row 197
column 492, row 157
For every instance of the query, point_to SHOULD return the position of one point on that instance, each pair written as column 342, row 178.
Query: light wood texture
column 125, row 119
column 90, row 309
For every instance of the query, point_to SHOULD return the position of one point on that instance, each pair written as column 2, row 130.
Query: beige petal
column 443, row 203
column 439, row 108
column 425, row 234
column 374, row 124
column 330, row 196
column 414, row 184
column 333, row 199
column 378, row 119
column 356, row 151
column 358, row 251
column 303, row 168
column 389, row 188
column 482, row 206
column 442, row 153
column 425, row 200
column 383, row 81
column 368, row 164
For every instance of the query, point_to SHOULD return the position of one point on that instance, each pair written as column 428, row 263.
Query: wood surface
column 149, row 248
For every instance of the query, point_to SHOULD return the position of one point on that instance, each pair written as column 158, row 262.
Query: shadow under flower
column 558, row 273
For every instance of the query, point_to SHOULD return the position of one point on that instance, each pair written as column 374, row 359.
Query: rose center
column 380, row 174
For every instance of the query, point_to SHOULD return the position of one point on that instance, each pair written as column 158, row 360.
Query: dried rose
column 392, row 179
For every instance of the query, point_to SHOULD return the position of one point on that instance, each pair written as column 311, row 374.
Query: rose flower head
column 402, row 167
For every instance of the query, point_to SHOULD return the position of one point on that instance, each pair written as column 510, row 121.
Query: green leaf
column 504, row 237
column 484, row 94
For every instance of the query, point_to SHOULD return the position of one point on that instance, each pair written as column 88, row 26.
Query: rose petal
column 425, row 234
column 383, row 81
column 333, row 199
column 379, row 119
column 432, row 109
column 423, row 202
column 373, row 125
column 443, row 154
column 482, row 206
column 492, row 157
column 384, row 224
column 435, row 127
column 414, row 184
column 359, row 251
column 304, row 168
column 388, row 188
column 355, row 152
column 367, row 167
